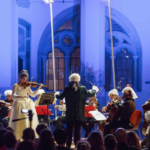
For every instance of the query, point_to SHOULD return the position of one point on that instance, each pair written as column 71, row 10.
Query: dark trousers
column 88, row 124
column 59, row 122
column 114, row 125
column 76, row 127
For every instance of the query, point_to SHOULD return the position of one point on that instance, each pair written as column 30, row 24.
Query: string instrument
column 32, row 84
column 2, row 103
column 94, row 98
column 113, row 115
column 146, row 107
column 114, row 102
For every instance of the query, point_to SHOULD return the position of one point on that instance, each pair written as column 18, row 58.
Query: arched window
column 75, row 61
column 107, row 71
column 124, row 66
column 60, row 70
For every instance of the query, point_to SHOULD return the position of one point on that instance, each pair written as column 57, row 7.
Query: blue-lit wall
column 32, row 20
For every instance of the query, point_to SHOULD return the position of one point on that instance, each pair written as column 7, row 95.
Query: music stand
column 47, row 99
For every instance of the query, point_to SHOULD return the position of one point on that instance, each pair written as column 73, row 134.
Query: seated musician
column 41, row 118
column 124, row 110
column 60, row 120
column 39, row 93
column 89, row 121
column 148, row 101
column 115, row 100
column 5, row 108
column 146, row 141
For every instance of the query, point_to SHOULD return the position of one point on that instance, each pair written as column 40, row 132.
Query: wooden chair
column 135, row 120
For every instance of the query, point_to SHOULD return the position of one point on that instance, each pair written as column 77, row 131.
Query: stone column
column 135, row 72
column 9, row 43
column 93, row 40
column 44, row 69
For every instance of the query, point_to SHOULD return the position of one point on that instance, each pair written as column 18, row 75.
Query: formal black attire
column 75, row 110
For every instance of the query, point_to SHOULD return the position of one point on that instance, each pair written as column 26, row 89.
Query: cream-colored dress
column 18, row 105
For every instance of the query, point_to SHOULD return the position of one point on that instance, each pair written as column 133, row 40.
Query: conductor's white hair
column 74, row 77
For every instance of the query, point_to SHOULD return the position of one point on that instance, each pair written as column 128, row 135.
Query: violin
column 32, row 84
column 114, row 102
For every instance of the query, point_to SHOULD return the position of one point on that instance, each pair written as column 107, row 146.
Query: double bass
column 146, row 107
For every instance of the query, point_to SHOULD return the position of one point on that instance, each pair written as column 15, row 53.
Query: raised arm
column 33, row 94
column 61, row 95
column 90, row 93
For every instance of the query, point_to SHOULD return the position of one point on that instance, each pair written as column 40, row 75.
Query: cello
column 146, row 107
column 113, row 115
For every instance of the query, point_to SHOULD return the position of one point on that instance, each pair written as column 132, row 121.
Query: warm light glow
column 49, row 1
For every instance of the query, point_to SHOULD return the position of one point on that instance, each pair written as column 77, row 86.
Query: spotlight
column 49, row 1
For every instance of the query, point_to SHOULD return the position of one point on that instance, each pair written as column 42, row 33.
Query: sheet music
column 98, row 115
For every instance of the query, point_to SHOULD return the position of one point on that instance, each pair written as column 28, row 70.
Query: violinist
column 125, row 111
column 60, row 120
column 22, row 101
column 115, row 100
column 146, row 141
column 148, row 101
column 88, row 124
column 5, row 107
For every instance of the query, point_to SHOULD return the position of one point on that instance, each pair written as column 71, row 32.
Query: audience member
column 110, row 142
column 60, row 136
column 9, row 129
column 10, row 140
column 83, row 145
column 26, row 145
column 96, row 141
column 134, row 148
column 28, row 134
column 46, row 141
column 40, row 127
column 133, row 139
column 121, row 137
column 2, row 145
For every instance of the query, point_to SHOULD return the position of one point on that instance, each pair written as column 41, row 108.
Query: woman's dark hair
column 2, row 132
column 9, row 139
column 110, row 141
column 60, row 136
column 46, row 141
column 40, row 127
column 83, row 145
column 26, row 145
column 23, row 73
column 28, row 134
column 9, row 129
column 96, row 141
column 133, row 139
